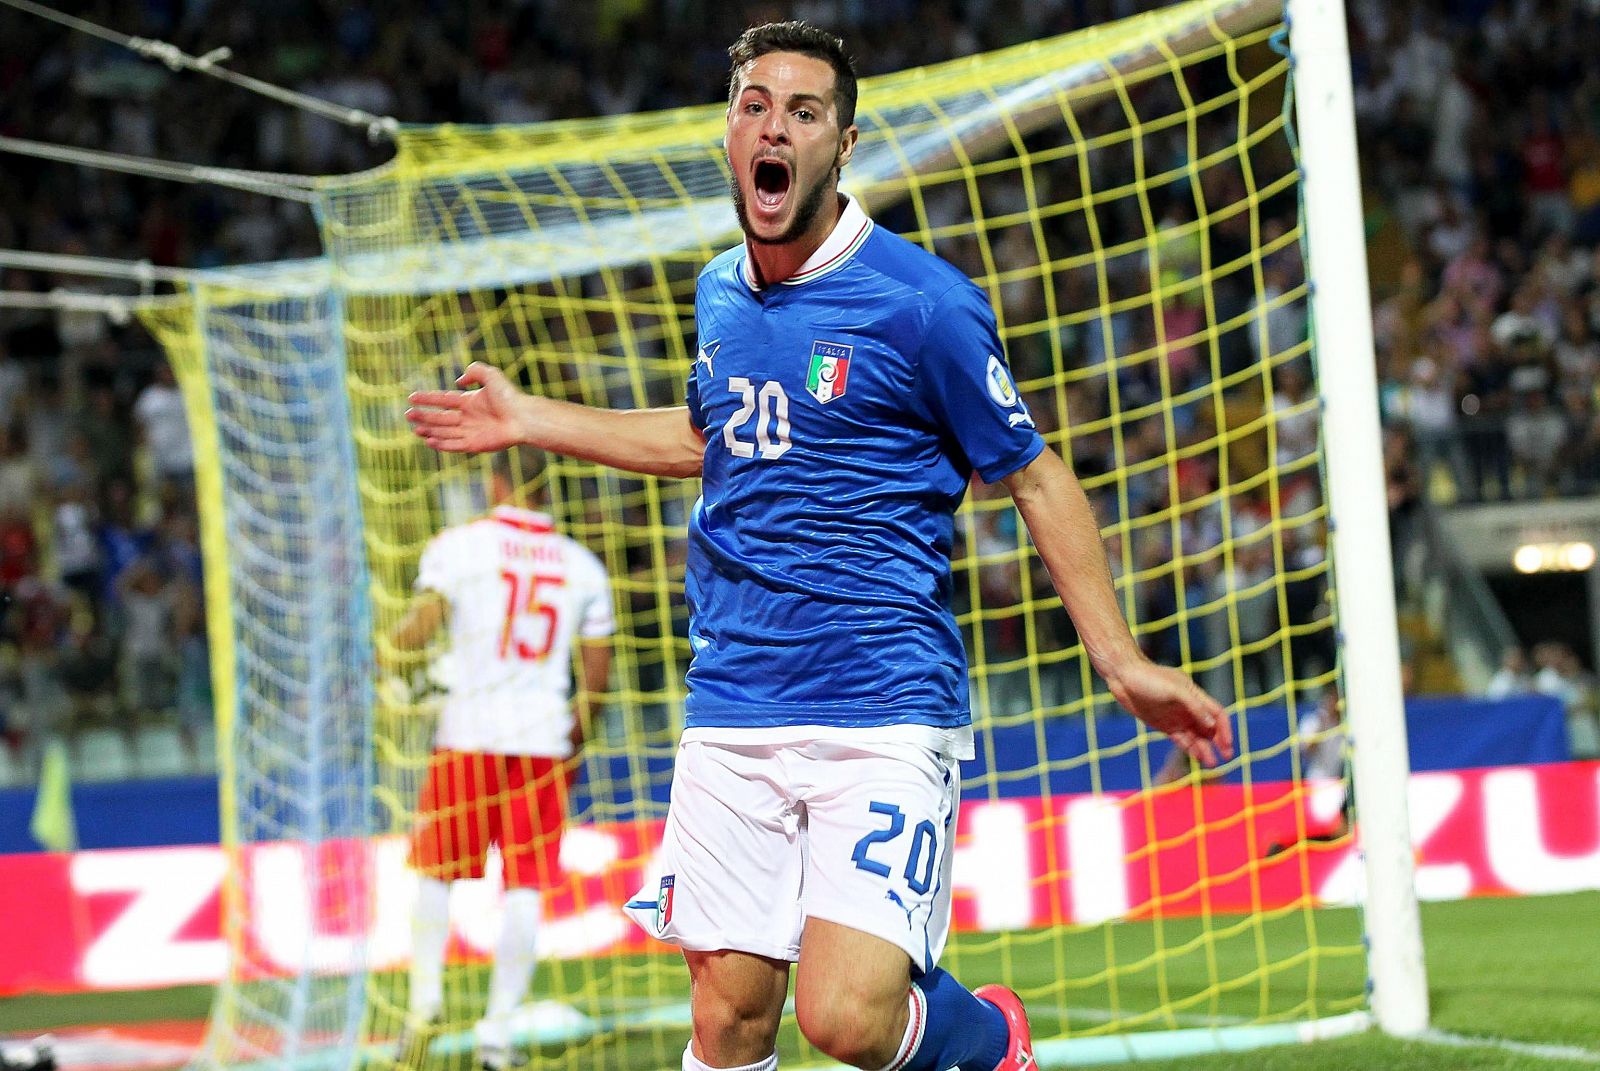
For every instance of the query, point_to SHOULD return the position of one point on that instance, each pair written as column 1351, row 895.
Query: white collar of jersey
column 834, row 253
column 526, row 519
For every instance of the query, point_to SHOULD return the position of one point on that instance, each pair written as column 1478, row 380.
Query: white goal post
column 1370, row 649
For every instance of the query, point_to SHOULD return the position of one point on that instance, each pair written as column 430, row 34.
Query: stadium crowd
column 1480, row 132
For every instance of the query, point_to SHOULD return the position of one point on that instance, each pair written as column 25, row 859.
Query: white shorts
column 761, row 837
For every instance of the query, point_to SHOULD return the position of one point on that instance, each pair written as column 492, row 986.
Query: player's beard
column 805, row 212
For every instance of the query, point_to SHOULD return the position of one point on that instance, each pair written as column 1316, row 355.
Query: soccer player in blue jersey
column 847, row 383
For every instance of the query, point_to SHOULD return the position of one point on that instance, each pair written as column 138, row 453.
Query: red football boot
column 1019, row 1050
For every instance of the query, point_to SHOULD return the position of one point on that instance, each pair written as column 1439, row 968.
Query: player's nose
column 775, row 128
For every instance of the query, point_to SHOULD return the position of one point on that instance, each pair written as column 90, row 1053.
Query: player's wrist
column 535, row 423
column 1116, row 662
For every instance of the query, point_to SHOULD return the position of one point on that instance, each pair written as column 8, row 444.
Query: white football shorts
column 761, row 837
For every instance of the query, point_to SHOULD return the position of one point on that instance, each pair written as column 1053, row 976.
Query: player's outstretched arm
column 1064, row 531
column 496, row 416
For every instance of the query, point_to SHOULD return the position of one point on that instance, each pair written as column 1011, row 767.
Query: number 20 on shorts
column 920, row 860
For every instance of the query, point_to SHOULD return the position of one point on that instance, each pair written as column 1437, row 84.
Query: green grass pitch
column 1518, row 971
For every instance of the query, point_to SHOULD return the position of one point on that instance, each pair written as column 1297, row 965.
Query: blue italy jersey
column 844, row 411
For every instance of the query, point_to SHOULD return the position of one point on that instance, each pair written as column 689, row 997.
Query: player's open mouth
column 771, row 179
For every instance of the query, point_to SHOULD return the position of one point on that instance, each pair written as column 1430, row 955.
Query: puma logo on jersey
column 894, row 898
column 1017, row 420
column 705, row 354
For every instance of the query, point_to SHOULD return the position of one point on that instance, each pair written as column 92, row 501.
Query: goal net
column 1128, row 197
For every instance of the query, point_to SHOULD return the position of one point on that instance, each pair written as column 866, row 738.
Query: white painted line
column 1521, row 1048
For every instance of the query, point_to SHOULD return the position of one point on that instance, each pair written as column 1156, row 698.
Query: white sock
column 430, row 932
column 692, row 1064
column 514, row 957
column 915, row 1026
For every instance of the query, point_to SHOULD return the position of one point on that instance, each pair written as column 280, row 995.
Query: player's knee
column 736, row 1023
column 849, row 1027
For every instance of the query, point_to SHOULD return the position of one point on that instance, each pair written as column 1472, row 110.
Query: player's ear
column 847, row 145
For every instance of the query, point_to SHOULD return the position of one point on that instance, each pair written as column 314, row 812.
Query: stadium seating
column 158, row 751
column 102, row 755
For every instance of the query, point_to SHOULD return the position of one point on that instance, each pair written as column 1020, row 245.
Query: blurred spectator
column 18, row 553
column 1522, row 324
column 1305, row 598
column 1578, row 465
column 1562, row 675
column 1544, row 168
column 1427, row 406
column 1486, row 400
column 18, row 477
column 164, row 427
column 1403, row 488
column 123, row 540
column 88, row 672
column 193, row 699
column 1535, row 432
column 77, row 551
column 1299, row 418
column 1278, row 319
column 1559, row 673
column 1513, row 676
column 1577, row 351
column 36, row 624
column 146, row 662
column 1253, row 622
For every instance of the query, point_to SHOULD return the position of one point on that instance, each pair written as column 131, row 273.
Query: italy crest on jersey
column 830, row 370
column 664, row 903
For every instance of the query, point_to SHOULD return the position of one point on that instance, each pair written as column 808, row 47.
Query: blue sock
column 958, row 1030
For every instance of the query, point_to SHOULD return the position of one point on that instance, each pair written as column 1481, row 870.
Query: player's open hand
column 470, row 421
column 1167, row 700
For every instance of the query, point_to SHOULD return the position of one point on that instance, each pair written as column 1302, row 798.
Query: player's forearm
column 422, row 620
column 594, row 673
column 656, row 442
column 1064, row 532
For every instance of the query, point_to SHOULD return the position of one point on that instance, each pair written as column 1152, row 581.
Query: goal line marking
column 1521, row 1048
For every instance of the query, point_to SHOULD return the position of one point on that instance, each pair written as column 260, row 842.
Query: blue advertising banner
column 1446, row 733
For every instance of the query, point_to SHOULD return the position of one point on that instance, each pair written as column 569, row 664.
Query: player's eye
column 805, row 115
column 753, row 108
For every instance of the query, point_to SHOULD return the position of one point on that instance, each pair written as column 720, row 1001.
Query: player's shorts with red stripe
column 472, row 799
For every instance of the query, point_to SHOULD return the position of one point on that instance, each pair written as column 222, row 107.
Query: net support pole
column 1341, row 311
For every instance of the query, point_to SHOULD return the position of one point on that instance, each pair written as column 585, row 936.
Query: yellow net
column 1128, row 198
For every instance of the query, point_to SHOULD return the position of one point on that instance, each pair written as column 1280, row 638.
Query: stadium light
column 1579, row 556
column 1574, row 557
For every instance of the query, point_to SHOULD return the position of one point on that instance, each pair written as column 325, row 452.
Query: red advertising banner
column 152, row 916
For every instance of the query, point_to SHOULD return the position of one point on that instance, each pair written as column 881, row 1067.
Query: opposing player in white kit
column 846, row 386
column 517, row 596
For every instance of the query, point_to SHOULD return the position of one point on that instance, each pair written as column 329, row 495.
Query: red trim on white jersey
column 524, row 519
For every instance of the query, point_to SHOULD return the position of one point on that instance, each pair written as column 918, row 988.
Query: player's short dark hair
column 525, row 471
column 808, row 40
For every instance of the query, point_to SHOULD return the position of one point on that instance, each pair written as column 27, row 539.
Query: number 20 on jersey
column 769, row 405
